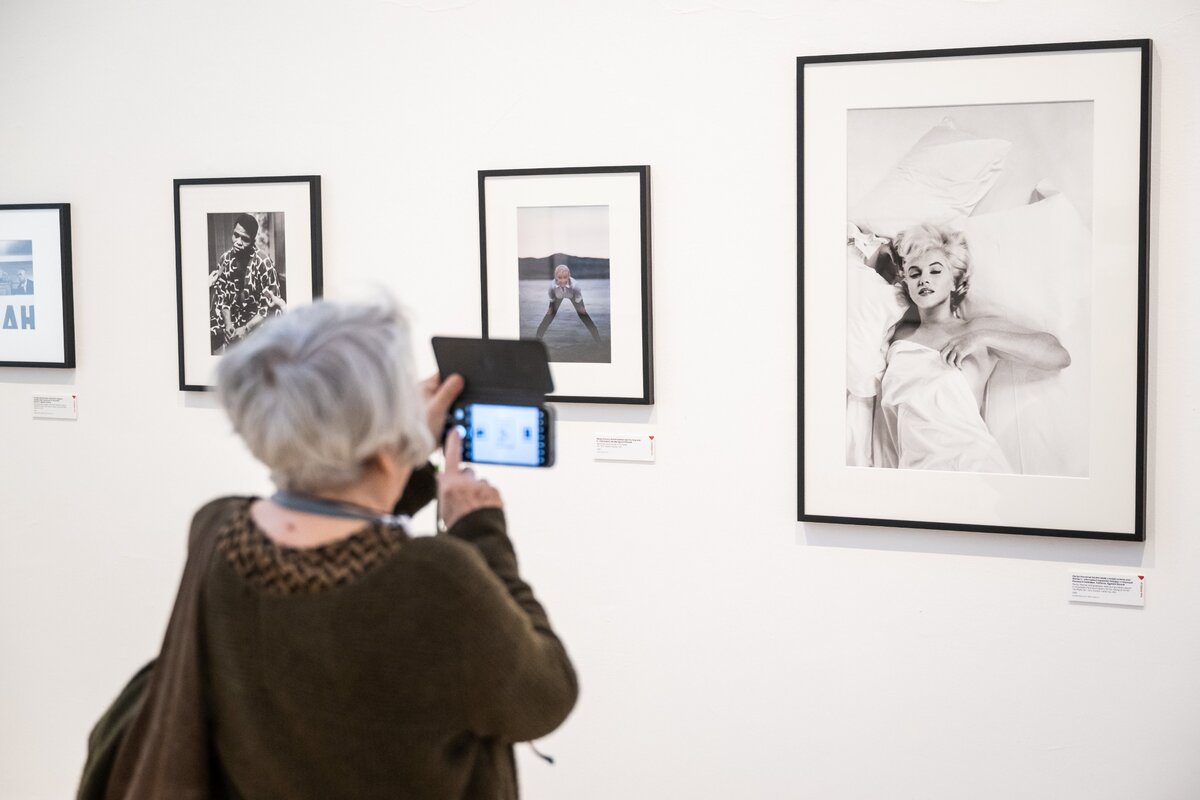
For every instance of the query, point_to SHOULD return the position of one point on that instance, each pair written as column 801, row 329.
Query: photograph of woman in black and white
column 969, row 275
column 938, row 366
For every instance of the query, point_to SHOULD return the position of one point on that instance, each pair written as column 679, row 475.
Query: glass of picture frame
column 972, row 242
column 37, row 327
column 565, row 258
column 245, row 250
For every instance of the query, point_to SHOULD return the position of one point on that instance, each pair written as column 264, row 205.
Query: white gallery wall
column 725, row 650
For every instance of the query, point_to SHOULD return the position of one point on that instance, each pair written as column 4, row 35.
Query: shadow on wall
column 964, row 543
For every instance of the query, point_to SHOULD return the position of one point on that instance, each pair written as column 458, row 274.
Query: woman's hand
column 439, row 395
column 963, row 346
column 459, row 491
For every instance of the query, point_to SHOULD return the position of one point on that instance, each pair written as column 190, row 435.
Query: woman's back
column 377, row 665
column 315, row 650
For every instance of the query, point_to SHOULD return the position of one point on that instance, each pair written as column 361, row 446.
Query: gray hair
column 316, row 392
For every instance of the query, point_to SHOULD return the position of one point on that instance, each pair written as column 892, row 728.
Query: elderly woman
column 316, row 649
column 938, row 366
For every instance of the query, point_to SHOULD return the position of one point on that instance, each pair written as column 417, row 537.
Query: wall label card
column 55, row 406
column 623, row 447
column 1119, row 590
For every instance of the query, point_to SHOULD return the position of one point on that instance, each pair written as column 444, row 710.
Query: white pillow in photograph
column 1033, row 265
column 942, row 178
column 873, row 307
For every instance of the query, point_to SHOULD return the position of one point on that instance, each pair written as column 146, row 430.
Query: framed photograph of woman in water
column 565, row 258
column 37, row 326
column 972, row 288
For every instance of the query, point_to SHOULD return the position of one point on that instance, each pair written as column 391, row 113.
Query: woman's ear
column 383, row 461
column 388, row 464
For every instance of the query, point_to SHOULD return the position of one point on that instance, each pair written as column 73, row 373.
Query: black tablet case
column 501, row 371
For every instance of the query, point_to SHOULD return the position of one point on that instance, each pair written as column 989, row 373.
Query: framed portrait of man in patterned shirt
column 246, row 248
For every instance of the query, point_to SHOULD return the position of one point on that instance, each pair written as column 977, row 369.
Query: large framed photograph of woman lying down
column 245, row 249
column 972, row 288
column 564, row 256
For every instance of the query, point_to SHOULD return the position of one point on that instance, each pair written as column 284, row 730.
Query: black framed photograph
column 37, row 327
column 565, row 258
column 972, row 293
column 245, row 249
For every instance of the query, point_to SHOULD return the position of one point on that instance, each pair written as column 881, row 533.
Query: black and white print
column 969, row 275
column 16, row 267
column 246, row 273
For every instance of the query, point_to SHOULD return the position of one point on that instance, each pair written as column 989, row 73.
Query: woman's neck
column 368, row 497
column 378, row 492
column 937, row 315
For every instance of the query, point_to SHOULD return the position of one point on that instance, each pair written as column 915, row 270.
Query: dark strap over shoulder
column 106, row 736
column 165, row 750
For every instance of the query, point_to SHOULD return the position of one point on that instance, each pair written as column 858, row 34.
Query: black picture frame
column 37, row 328
column 836, row 98
column 602, row 209
column 285, row 214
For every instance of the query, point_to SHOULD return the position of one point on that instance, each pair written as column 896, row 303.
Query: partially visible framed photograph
column 245, row 249
column 972, row 295
column 37, row 327
column 565, row 258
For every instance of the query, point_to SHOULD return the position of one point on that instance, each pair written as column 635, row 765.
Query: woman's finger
column 443, row 394
column 453, row 451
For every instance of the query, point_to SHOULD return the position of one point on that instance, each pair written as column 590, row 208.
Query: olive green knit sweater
column 381, row 666
column 411, row 680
